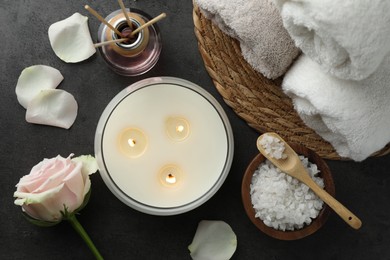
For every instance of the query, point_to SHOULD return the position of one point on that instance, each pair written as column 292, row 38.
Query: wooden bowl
column 307, row 229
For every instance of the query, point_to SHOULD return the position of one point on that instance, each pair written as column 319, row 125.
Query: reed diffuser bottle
column 135, row 42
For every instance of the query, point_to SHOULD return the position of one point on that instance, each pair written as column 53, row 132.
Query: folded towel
column 349, row 38
column 257, row 25
column 354, row 116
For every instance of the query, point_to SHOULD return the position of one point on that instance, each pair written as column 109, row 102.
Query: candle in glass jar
column 164, row 146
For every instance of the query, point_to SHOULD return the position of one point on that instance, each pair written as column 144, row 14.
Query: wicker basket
column 256, row 99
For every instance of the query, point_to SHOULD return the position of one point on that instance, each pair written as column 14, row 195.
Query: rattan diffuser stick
column 129, row 23
column 101, row 19
column 97, row 45
column 154, row 20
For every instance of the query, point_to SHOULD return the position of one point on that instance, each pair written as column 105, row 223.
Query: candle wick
column 170, row 178
column 131, row 142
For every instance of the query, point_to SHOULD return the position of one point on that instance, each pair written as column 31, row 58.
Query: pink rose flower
column 55, row 185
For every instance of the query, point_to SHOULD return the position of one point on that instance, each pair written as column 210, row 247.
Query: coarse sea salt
column 273, row 146
column 281, row 201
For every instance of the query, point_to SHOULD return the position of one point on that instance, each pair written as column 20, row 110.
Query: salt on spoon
column 292, row 166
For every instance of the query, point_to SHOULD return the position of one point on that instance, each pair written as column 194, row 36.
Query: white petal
column 53, row 107
column 89, row 164
column 71, row 40
column 213, row 240
column 34, row 79
column 27, row 198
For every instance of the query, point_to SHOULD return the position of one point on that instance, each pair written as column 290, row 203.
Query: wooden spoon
column 293, row 166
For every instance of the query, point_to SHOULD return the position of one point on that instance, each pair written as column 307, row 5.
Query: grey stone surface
column 117, row 230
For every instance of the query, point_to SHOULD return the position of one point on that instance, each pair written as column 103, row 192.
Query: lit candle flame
column 171, row 179
column 180, row 128
column 131, row 142
column 177, row 128
column 171, row 176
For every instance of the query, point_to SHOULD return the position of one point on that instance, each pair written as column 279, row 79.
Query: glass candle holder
column 140, row 53
column 165, row 163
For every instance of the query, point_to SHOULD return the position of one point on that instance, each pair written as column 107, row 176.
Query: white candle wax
column 187, row 152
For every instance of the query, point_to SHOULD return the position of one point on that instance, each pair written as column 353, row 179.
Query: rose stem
column 100, row 18
column 155, row 19
column 129, row 23
column 97, row 45
column 81, row 231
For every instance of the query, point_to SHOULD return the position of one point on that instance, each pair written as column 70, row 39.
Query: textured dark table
column 117, row 230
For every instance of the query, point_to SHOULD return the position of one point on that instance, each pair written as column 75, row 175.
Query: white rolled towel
column 349, row 38
column 354, row 116
column 257, row 25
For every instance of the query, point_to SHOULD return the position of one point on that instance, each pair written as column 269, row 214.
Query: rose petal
column 76, row 183
column 49, row 204
column 213, row 240
column 57, row 177
column 71, row 40
column 41, row 172
column 87, row 187
column 90, row 165
column 27, row 198
column 38, row 184
column 52, row 107
column 34, row 79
